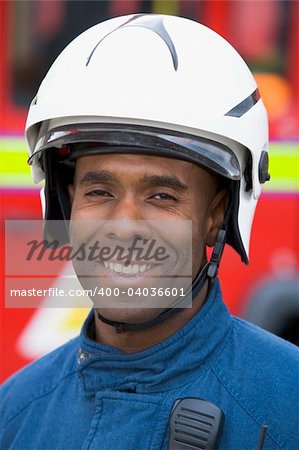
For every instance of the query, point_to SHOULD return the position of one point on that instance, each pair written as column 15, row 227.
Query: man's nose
column 126, row 222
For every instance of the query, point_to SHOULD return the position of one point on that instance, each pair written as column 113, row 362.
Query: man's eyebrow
column 105, row 176
column 167, row 181
column 100, row 176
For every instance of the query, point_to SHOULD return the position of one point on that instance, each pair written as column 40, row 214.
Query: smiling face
column 140, row 197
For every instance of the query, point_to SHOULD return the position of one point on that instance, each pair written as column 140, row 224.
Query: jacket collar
column 174, row 362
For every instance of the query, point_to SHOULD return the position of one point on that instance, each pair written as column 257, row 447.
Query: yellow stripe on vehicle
column 284, row 165
column 14, row 170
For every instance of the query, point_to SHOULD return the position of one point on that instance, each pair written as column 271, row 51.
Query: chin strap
column 208, row 272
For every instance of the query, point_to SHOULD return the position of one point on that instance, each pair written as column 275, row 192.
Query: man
column 144, row 120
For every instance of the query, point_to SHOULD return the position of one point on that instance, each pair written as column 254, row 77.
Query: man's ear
column 217, row 211
column 71, row 192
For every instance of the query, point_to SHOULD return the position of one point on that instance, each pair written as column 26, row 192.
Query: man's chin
column 129, row 315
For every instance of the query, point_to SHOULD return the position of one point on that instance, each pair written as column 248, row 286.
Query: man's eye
column 98, row 193
column 164, row 196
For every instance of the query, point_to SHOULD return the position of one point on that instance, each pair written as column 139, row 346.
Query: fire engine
column 265, row 34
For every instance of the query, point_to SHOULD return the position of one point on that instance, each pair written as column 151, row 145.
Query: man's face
column 126, row 194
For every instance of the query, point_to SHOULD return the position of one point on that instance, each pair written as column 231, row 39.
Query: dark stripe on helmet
column 152, row 22
column 245, row 105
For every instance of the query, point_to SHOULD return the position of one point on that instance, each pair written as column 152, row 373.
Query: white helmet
column 153, row 84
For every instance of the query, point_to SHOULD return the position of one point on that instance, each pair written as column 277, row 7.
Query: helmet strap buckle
column 217, row 254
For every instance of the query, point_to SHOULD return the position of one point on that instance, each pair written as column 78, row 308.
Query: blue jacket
column 87, row 395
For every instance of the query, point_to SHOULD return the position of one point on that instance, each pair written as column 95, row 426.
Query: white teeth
column 126, row 270
column 142, row 268
column 118, row 267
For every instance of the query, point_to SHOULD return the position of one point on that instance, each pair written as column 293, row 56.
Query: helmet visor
column 117, row 138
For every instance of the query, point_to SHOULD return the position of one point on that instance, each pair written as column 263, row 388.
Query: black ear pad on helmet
column 58, row 205
column 233, row 237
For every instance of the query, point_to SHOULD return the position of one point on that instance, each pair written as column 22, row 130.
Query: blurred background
column 265, row 32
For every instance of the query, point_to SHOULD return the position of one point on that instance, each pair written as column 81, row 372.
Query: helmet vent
column 245, row 105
